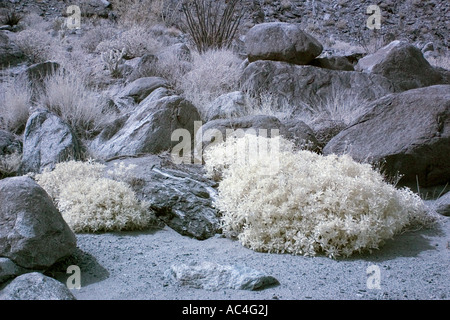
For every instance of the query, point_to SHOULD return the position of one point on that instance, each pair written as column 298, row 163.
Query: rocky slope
column 419, row 22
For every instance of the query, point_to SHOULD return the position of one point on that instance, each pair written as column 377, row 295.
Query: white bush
column 90, row 202
column 300, row 202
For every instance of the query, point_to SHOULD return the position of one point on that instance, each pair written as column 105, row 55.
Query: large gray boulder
column 33, row 233
column 149, row 128
column 182, row 199
column 296, row 86
column 213, row 276
column 403, row 64
column 47, row 141
column 281, row 41
column 409, row 131
column 10, row 54
column 99, row 8
column 35, row 286
column 139, row 89
column 228, row 105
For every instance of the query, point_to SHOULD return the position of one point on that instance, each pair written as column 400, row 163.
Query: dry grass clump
column 91, row 202
column 69, row 96
column 213, row 73
column 300, row 202
column 15, row 96
column 38, row 45
column 136, row 41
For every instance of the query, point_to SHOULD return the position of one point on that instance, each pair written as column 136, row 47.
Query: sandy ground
column 131, row 265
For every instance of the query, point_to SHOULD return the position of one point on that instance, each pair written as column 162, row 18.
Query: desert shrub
column 38, row 45
column 136, row 41
column 212, row 24
column 144, row 12
column 91, row 202
column 304, row 203
column 14, row 104
column 69, row 96
column 97, row 34
column 112, row 60
column 11, row 18
column 212, row 74
column 171, row 67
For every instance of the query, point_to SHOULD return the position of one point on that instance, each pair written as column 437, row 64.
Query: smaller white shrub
column 91, row 202
column 92, row 205
column 53, row 181
column 301, row 202
column 112, row 60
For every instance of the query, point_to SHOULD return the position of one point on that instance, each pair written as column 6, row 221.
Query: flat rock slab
column 213, row 276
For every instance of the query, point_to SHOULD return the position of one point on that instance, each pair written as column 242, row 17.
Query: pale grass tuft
column 15, row 95
column 213, row 73
column 69, row 96
column 38, row 45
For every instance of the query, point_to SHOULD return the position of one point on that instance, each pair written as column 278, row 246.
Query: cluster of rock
column 405, row 126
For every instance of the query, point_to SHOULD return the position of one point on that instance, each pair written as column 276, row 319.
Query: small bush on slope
column 15, row 95
column 213, row 73
column 90, row 202
column 68, row 95
column 300, row 202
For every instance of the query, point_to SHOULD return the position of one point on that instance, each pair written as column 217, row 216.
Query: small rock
column 212, row 276
column 442, row 205
column 35, row 286
column 142, row 87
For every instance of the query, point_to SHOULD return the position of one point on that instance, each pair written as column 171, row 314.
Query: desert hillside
column 238, row 149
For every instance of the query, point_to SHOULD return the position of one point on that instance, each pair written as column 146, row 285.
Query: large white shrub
column 91, row 202
column 300, row 202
